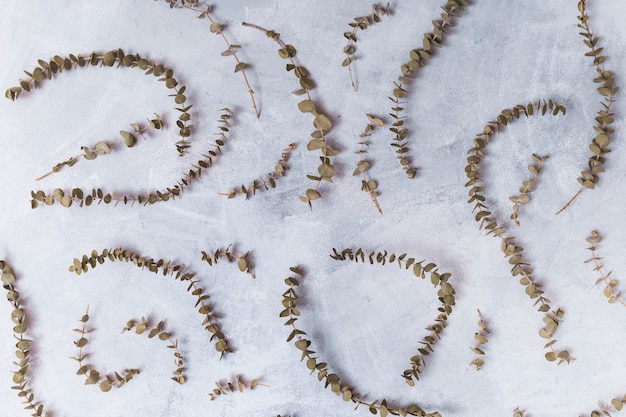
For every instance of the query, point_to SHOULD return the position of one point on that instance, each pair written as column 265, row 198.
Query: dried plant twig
column 237, row 385
column 481, row 338
column 362, row 23
column 368, row 185
column 264, row 183
column 230, row 255
column 605, row 117
column 487, row 220
column 105, row 382
column 143, row 326
column 610, row 290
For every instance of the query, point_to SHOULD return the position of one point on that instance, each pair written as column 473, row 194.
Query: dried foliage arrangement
column 218, row 28
column 92, row 376
column 347, row 392
column 141, row 327
column 97, row 195
column 104, row 147
column 57, row 64
column 321, row 122
column 487, row 219
column 229, row 255
column 445, row 294
column 599, row 145
column 612, row 294
column 528, row 186
column 360, row 23
column 23, row 346
column 418, row 58
column 481, row 338
column 267, row 182
column 237, row 385
column 177, row 271
column 368, row 185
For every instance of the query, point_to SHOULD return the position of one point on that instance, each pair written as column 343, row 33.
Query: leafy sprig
column 229, row 255
column 599, row 145
column 321, row 122
column 104, row 147
column 57, row 64
column 528, row 186
column 368, row 185
column 347, row 392
column 177, row 271
column 237, row 385
column 360, row 23
column 92, row 376
column 480, row 338
column 21, row 376
column 487, row 219
column 612, row 294
column 264, row 183
column 218, row 29
column 445, row 294
column 418, row 58
column 144, row 326
column 97, row 195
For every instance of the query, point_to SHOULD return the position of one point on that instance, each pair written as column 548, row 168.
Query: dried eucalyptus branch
column 528, row 186
column 418, row 58
column 105, row 382
column 239, row 384
column 487, row 220
column 481, row 339
column 83, row 198
column 368, row 185
column 362, row 23
column 104, row 147
column 228, row 254
column 347, row 392
column 599, row 144
column 177, row 271
column 143, row 326
column 48, row 69
column 218, row 29
column 445, row 293
column 610, row 283
column 519, row 413
column 321, row 122
column 264, row 182
column 23, row 346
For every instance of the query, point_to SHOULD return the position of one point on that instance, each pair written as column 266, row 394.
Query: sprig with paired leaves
column 417, row 59
column 229, row 255
column 264, row 183
column 218, row 29
column 480, row 338
column 348, row 393
column 487, row 220
column 57, row 64
column 93, row 377
column 599, row 145
column 368, row 185
column 321, row 122
column 360, row 23
column 97, row 195
column 177, row 271
column 528, row 186
column 144, row 326
column 23, row 346
column 610, row 290
column 237, row 385
column 445, row 294
column 104, row 147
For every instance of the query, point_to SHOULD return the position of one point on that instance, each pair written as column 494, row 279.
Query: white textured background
column 365, row 321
